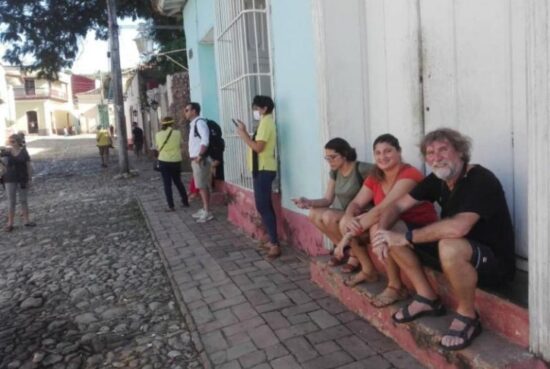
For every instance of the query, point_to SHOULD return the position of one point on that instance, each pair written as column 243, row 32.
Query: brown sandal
column 274, row 252
column 360, row 278
column 389, row 296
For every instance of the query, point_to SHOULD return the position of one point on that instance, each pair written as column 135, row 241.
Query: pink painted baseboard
column 293, row 228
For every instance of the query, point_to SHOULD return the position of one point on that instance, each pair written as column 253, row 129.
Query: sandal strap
column 470, row 325
column 467, row 320
column 434, row 304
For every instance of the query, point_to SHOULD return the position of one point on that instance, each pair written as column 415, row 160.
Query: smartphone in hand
column 235, row 122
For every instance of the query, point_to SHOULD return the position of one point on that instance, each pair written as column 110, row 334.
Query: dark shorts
column 483, row 260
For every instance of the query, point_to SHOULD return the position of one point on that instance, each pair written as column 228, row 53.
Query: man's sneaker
column 198, row 214
column 206, row 216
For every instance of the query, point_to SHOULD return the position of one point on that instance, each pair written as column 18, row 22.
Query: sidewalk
column 246, row 312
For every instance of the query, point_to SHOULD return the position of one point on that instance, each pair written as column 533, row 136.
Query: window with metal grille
column 244, row 70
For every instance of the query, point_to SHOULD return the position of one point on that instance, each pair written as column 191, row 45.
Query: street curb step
column 421, row 337
column 497, row 313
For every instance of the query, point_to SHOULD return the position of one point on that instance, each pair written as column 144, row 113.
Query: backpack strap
column 197, row 134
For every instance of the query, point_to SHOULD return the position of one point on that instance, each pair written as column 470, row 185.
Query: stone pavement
column 247, row 312
column 87, row 288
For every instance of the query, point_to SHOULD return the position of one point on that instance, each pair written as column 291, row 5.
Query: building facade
column 42, row 107
column 360, row 68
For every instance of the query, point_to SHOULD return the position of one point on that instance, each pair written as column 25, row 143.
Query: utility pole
column 116, row 80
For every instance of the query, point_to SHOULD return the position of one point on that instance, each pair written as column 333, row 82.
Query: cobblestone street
column 108, row 280
column 86, row 288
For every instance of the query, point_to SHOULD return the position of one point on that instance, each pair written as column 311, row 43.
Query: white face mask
column 256, row 114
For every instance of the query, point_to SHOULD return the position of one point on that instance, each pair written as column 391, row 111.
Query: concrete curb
column 189, row 321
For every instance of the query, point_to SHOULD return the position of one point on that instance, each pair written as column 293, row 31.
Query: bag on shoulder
column 216, row 145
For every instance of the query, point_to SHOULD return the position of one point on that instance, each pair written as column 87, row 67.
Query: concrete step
column 491, row 350
column 497, row 313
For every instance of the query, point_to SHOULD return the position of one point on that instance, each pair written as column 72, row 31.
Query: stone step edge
column 499, row 314
column 421, row 337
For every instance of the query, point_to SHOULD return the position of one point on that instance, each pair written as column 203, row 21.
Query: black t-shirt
column 138, row 134
column 480, row 192
column 17, row 167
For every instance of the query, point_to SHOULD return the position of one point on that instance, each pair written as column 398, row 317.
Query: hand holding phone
column 235, row 122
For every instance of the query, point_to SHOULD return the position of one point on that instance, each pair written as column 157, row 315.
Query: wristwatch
column 409, row 236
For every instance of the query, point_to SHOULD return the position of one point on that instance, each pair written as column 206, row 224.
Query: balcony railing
column 41, row 92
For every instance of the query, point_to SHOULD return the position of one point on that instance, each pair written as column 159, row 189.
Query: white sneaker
column 206, row 216
column 198, row 214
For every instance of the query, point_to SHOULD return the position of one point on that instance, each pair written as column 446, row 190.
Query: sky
column 93, row 53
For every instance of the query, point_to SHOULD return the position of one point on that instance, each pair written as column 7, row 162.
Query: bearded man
column 472, row 244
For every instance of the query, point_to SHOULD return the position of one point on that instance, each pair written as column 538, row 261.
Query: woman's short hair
column 342, row 147
column 18, row 138
column 391, row 140
column 261, row 101
column 461, row 143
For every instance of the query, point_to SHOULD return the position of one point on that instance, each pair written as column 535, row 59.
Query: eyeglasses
column 331, row 157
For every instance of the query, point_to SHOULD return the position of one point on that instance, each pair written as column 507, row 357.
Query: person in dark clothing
column 472, row 243
column 17, row 178
column 137, row 139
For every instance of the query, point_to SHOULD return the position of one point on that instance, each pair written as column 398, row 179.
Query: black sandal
column 470, row 325
column 437, row 309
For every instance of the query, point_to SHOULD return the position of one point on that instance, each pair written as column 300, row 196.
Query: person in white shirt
column 200, row 163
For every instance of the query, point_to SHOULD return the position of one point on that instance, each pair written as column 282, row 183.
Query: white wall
column 408, row 67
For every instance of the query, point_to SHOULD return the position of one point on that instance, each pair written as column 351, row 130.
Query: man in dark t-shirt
column 137, row 139
column 472, row 243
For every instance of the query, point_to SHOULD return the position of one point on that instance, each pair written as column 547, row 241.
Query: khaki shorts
column 201, row 173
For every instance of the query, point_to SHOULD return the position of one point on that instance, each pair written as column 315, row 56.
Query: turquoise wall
column 198, row 18
column 296, row 99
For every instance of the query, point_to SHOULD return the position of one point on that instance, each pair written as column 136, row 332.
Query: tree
column 49, row 30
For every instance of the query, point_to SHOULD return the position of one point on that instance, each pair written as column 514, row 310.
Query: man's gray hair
column 460, row 143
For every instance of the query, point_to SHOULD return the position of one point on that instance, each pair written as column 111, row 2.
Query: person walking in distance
column 17, row 178
column 199, row 138
column 103, row 142
column 137, row 139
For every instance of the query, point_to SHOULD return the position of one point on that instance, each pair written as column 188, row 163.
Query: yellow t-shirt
column 172, row 150
column 103, row 138
column 267, row 160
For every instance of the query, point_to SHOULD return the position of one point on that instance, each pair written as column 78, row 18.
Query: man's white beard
column 444, row 172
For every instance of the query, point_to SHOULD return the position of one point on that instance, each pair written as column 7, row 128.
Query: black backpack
column 216, row 145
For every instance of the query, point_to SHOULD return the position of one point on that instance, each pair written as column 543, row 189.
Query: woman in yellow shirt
column 104, row 142
column 168, row 144
column 262, row 161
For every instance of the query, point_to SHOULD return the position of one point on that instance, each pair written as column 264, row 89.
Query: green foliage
column 49, row 30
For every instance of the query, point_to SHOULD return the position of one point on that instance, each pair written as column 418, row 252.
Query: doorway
column 32, row 122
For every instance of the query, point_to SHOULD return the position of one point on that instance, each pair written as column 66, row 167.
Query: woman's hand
column 354, row 226
column 339, row 251
column 241, row 128
column 302, row 202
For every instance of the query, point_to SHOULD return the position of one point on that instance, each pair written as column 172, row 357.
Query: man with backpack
column 199, row 140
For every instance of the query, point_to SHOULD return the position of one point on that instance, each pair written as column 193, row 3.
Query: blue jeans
column 264, row 204
column 170, row 172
